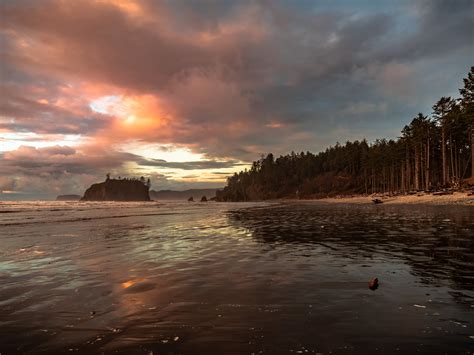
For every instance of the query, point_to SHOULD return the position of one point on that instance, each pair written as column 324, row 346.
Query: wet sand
column 235, row 278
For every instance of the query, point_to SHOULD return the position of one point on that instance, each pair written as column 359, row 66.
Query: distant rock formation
column 191, row 199
column 68, row 198
column 182, row 195
column 118, row 190
column 204, row 199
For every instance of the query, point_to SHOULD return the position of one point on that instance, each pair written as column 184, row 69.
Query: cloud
column 191, row 165
column 228, row 80
column 61, row 160
column 63, row 169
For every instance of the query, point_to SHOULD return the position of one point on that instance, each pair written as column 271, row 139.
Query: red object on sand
column 374, row 283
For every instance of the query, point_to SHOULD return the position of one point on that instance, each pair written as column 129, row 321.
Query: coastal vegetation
column 121, row 189
column 434, row 151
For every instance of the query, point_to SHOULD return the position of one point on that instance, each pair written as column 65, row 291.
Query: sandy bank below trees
column 457, row 198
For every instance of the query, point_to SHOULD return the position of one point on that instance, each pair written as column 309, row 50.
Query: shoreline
column 457, row 198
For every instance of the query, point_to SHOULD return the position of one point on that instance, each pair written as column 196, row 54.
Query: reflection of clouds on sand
column 234, row 276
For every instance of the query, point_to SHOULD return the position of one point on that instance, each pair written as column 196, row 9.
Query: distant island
column 433, row 153
column 121, row 189
column 68, row 198
column 185, row 195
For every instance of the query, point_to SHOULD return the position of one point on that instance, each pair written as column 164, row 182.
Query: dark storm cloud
column 59, row 160
column 271, row 58
column 27, row 114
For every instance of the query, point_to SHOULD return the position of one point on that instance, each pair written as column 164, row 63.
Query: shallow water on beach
column 235, row 278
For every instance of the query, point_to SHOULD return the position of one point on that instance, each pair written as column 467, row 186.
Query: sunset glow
column 236, row 177
column 188, row 95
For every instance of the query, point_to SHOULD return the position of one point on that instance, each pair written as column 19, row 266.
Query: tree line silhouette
column 433, row 152
column 141, row 179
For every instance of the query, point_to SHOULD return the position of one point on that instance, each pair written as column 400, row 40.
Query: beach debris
column 377, row 201
column 419, row 306
column 374, row 284
column 176, row 338
column 442, row 193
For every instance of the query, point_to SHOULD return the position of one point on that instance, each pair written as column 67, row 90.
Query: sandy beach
column 457, row 198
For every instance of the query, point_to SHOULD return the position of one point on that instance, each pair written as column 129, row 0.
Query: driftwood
column 442, row 193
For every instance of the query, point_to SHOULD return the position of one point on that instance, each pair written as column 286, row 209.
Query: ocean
column 235, row 278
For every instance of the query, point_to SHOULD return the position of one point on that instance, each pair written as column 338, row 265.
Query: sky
column 188, row 92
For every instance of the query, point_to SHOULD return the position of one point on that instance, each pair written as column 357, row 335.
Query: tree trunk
column 453, row 172
column 365, row 180
column 383, row 179
column 403, row 183
column 457, row 162
column 392, row 179
column 408, row 172
column 427, row 166
column 417, row 169
column 472, row 151
column 422, row 165
column 443, row 152
column 373, row 181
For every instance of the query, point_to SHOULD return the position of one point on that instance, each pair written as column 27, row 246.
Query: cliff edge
column 117, row 190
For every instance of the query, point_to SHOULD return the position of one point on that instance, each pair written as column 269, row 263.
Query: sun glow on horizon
column 13, row 140
column 167, row 152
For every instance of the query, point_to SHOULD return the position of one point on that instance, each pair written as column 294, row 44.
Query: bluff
column 117, row 190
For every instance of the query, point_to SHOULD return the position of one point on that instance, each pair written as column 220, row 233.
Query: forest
column 433, row 152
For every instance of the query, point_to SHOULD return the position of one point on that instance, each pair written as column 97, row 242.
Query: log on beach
column 442, row 193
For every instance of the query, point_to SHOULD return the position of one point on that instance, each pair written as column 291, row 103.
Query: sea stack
column 118, row 190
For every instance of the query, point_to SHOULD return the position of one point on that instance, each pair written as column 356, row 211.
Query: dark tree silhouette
column 467, row 110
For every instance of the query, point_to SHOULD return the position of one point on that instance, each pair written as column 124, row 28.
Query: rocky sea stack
column 118, row 190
